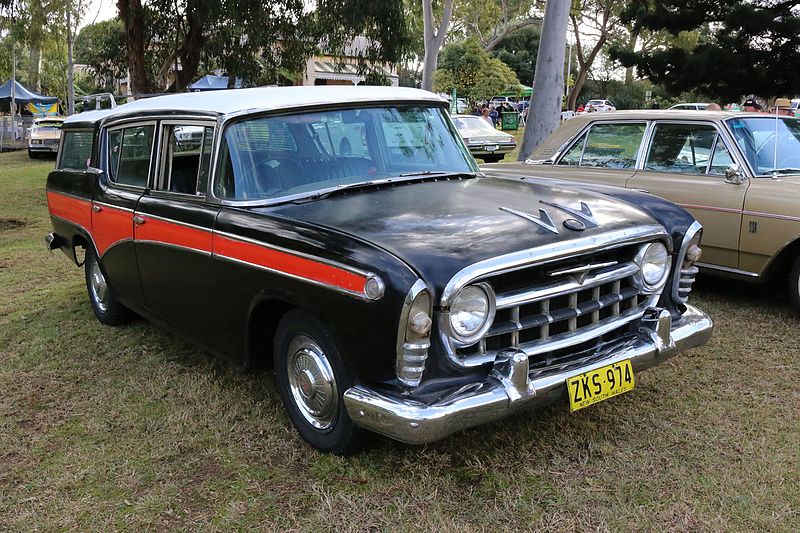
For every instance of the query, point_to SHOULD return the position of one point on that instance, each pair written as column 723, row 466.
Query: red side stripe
column 158, row 230
column 289, row 264
column 71, row 209
column 111, row 225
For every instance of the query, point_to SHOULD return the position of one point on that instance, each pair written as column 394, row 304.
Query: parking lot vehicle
column 593, row 106
column 45, row 136
column 724, row 167
column 698, row 106
column 392, row 285
column 504, row 100
column 484, row 140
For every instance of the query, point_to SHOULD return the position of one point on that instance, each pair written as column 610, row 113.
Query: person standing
column 493, row 114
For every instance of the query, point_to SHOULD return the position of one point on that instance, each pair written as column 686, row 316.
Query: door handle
column 96, row 208
column 642, row 190
column 139, row 220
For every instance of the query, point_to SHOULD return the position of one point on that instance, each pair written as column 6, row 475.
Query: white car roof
column 232, row 101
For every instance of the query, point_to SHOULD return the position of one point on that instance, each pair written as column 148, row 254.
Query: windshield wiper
column 437, row 173
column 786, row 170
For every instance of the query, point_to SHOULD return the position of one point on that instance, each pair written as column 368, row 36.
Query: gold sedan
column 737, row 173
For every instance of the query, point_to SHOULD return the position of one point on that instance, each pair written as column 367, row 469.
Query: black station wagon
column 346, row 236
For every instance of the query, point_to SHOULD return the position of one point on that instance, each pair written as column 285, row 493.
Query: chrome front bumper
column 509, row 387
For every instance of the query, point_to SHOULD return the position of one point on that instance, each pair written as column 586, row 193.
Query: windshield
column 471, row 126
column 769, row 143
column 43, row 126
column 295, row 155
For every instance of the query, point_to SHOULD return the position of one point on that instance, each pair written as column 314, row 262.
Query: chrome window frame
column 721, row 133
column 558, row 156
column 158, row 180
column 95, row 139
column 154, row 152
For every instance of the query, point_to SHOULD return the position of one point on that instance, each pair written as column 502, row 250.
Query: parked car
column 698, row 106
column 724, row 167
column 593, row 106
column 393, row 287
column 45, row 135
column 484, row 140
column 510, row 101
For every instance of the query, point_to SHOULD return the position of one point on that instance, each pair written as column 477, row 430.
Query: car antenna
column 775, row 156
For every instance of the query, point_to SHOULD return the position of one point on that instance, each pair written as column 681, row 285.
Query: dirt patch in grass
column 11, row 223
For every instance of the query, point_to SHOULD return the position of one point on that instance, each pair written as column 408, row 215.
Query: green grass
column 130, row 429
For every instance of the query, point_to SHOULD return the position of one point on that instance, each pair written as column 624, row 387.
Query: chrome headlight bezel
column 643, row 258
column 460, row 340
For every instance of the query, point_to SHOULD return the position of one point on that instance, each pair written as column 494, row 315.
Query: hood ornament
column 543, row 220
column 584, row 215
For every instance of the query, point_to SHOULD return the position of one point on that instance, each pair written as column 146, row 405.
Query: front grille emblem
column 581, row 272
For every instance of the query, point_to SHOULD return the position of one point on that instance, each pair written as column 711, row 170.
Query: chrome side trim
column 328, row 262
column 170, row 245
column 358, row 295
column 112, row 206
column 172, row 221
column 548, row 253
column 728, row 270
column 509, row 389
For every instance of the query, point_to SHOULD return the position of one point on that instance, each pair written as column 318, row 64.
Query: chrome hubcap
column 312, row 383
column 99, row 287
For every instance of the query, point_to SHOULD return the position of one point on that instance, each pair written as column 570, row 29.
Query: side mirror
column 735, row 175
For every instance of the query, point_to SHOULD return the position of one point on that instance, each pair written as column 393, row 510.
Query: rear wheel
column 794, row 283
column 312, row 379
column 105, row 305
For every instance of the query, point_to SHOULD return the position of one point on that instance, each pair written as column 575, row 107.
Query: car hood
column 440, row 227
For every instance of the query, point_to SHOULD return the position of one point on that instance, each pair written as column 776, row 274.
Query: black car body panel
column 223, row 273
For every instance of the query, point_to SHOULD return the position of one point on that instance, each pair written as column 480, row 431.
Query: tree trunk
column 544, row 114
column 190, row 53
column 35, row 68
column 433, row 39
column 583, row 72
column 131, row 13
column 70, row 65
column 631, row 47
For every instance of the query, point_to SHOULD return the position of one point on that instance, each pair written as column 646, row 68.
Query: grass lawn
column 130, row 429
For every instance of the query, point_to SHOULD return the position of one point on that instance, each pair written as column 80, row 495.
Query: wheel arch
column 262, row 323
column 778, row 268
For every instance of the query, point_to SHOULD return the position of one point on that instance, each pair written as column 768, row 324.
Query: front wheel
column 105, row 305
column 311, row 380
column 794, row 283
column 33, row 155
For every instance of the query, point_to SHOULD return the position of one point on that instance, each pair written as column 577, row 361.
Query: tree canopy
column 466, row 67
column 518, row 51
column 744, row 47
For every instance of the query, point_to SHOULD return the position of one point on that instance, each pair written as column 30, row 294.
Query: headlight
column 653, row 260
column 471, row 313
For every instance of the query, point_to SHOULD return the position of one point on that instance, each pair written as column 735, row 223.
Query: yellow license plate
column 598, row 385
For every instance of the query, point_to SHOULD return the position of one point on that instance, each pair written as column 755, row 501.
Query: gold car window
column 681, row 148
column 612, row 146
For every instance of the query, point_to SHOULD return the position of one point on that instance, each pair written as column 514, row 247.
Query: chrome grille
column 565, row 308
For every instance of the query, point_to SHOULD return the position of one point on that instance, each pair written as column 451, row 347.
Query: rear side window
column 76, row 149
column 607, row 146
column 129, row 155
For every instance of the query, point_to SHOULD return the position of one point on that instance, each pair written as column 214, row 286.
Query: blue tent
column 214, row 83
column 23, row 95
